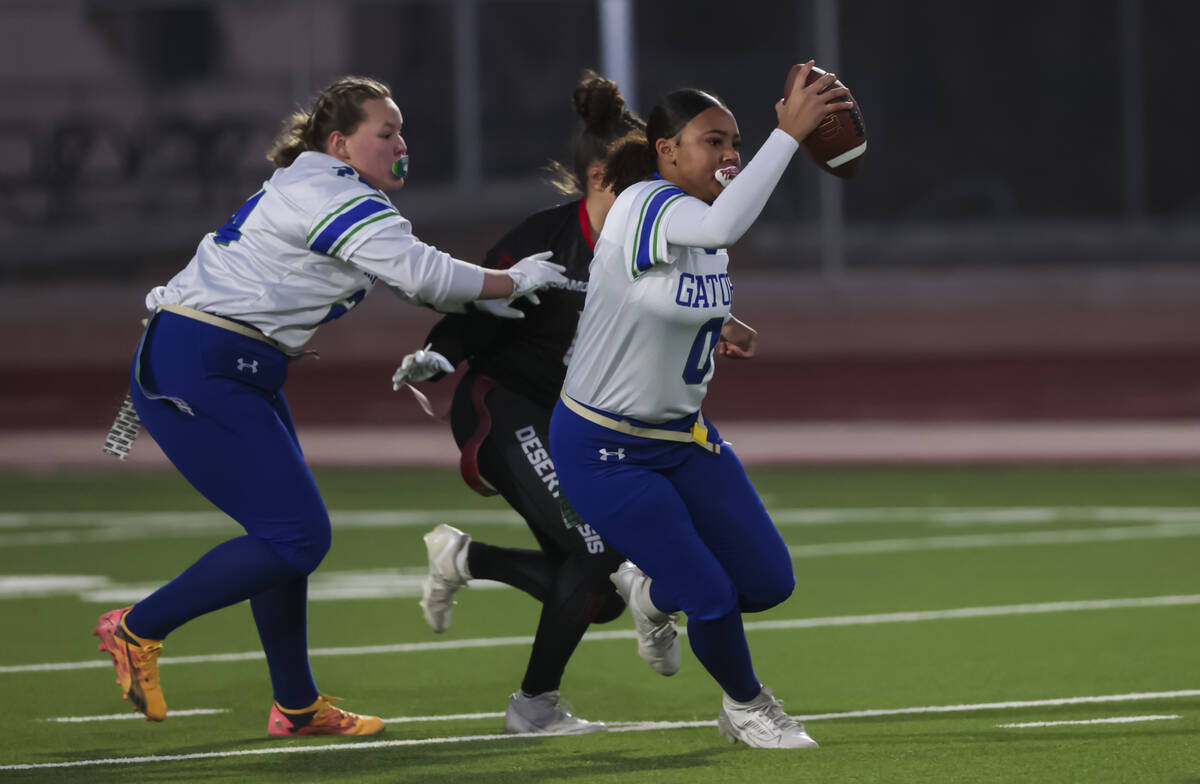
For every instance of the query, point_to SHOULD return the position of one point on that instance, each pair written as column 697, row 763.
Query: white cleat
column 762, row 724
column 658, row 640
column 545, row 714
column 447, row 548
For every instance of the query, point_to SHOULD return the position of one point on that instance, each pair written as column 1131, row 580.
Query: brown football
column 838, row 144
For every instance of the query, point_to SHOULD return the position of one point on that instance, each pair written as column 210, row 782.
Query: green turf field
column 934, row 610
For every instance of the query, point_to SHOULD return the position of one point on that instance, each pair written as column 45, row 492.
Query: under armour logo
column 617, row 453
column 243, row 364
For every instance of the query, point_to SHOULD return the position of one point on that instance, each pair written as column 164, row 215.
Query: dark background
column 1021, row 243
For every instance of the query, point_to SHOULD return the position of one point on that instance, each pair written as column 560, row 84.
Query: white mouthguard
column 726, row 175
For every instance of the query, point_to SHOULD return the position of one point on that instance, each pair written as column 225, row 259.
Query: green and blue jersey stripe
column 649, row 225
column 332, row 233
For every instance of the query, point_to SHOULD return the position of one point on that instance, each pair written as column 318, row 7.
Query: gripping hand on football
column 803, row 110
column 532, row 273
column 420, row 365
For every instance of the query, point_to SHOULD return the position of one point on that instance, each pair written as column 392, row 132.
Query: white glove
column 420, row 366
column 501, row 309
column 534, row 272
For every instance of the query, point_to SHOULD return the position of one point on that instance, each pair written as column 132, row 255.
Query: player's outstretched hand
column 803, row 109
column 534, row 272
column 420, row 365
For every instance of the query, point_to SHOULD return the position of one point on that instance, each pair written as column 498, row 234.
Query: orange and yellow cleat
column 320, row 718
column 136, row 660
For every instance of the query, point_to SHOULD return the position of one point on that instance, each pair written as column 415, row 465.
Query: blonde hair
column 337, row 108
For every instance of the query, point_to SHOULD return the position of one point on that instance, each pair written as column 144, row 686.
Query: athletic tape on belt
column 697, row 435
column 231, row 325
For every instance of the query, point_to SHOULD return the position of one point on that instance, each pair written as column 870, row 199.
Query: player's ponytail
column 290, row 142
column 605, row 119
column 337, row 108
column 633, row 158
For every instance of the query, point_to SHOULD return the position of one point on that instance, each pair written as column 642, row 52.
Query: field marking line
column 975, row 612
column 1137, row 696
column 323, row 586
column 359, row 518
column 442, row 717
column 399, row 518
column 136, row 715
column 1015, row 539
column 1161, row 530
column 392, row 583
column 641, row 726
column 358, row 746
column 124, row 526
column 984, row 515
column 211, row 711
column 1109, row 720
column 629, row 634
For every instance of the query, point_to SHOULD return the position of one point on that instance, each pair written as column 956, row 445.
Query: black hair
column 633, row 158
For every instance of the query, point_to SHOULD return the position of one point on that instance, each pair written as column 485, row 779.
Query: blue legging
column 231, row 435
column 692, row 521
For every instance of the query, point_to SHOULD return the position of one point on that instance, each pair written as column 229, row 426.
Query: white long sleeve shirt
column 659, row 291
column 307, row 248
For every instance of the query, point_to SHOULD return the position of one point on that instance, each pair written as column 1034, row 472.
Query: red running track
column 1103, row 385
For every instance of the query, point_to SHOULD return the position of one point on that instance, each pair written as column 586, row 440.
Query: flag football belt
column 468, row 461
column 229, row 324
column 698, row 434
column 127, row 424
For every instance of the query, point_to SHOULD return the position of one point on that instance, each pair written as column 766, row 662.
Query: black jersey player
column 500, row 418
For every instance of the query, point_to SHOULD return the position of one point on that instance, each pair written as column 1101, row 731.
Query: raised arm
column 722, row 223
column 719, row 225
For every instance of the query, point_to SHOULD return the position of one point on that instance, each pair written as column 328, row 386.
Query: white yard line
column 135, row 715
column 210, row 711
column 1014, row 539
column 971, row 516
column 82, row 527
column 641, row 726
column 442, row 717
column 1109, row 720
column 28, row 528
column 1007, row 705
column 322, row 586
column 629, row 634
column 350, row 518
column 1169, row 524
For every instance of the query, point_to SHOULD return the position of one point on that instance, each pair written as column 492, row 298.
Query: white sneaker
column 762, row 724
column 658, row 640
column 545, row 713
column 447, row 548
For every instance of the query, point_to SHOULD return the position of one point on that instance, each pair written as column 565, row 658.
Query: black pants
column 570, row 573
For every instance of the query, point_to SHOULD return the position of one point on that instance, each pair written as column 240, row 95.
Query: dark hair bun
column 598, row 101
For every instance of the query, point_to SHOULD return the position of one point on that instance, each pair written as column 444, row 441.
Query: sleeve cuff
column 785, row 138
column 466, row 281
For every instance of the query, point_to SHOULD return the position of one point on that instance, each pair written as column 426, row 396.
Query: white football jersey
column 653, row 314
column 307, row 248
column 659, row 292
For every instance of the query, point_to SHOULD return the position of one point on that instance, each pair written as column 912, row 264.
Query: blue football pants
column 232, row 437
column 689, row 519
